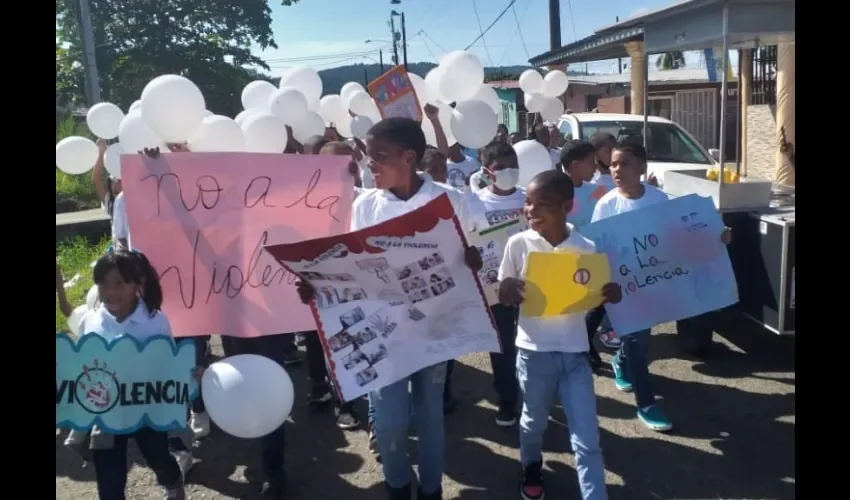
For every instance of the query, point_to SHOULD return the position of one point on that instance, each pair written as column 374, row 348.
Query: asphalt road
column 734, row 438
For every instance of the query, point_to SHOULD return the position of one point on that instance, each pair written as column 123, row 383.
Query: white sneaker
column 184, row 461
column 200, row 425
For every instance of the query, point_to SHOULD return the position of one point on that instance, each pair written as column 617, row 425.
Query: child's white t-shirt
column 566, row 333
column 120, row 227
column 498, row 208
column 374, row 206
column 614, row 203
column 140, row 324
column 459, row 172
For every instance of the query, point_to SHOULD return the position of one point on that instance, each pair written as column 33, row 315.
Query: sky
column 328, row 33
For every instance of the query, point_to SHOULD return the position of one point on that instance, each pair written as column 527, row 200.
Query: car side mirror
column 715, row 153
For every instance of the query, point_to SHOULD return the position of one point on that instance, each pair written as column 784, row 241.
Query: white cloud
column 639, row 12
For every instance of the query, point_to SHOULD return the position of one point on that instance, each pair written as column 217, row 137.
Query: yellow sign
column 563, row 283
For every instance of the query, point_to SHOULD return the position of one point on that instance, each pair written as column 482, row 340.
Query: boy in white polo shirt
column 552, row 353
column 396, row 147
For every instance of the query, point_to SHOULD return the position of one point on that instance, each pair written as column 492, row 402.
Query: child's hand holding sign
column 511, row 291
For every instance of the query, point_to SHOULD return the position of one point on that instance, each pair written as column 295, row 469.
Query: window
column 566, row 129
column 661, row 106
column 667, row 142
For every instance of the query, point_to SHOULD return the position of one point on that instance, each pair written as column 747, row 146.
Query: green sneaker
column 654, row 418
column 621, row 379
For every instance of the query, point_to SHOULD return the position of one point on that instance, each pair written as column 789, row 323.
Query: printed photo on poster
column 411, row 301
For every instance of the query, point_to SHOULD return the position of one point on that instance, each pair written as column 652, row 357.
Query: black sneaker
column 506, row 415
column 531, row 483
column 346, row 418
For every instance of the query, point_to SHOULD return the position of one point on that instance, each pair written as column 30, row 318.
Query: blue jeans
column 392, row 405
column 542, row 376
column 631, row 356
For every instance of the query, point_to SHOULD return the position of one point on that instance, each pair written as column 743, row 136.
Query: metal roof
column 686, row 25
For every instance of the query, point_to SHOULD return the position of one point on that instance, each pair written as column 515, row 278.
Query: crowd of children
column 542, row 357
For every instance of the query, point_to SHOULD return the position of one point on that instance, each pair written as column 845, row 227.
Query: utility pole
column 404, row 40
column 365, row 77
column 395, row 40
column 554, row 24
column 89, row 60
column 381, row 59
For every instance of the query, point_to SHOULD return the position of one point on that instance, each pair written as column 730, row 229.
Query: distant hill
column 333, row 79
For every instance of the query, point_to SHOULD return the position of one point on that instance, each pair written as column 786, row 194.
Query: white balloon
column 343, row 126
column 360, row 126
column 332, row 109
column 289, row 104
column 552, row 109
column 487, row 93
column 348, row 89
column 531, row 82
column 432, row 79
column 247, row 396
column 555, row 83
column 428, row 130
column 134, row 134
column 173, row 107
column 360, row 102
column 76, row 155
column 445, row 117
column 306, row 80
column 373, row 112
column 423, row 95
column 462, row 75
column 207, row 113
column 308, row 126
column 532, row 158
column 103, row 119
column 217, row 134
column 112, row 159
column 474, row 123
column 534, row 102
column 243, row 115
column 264, row 133
column 75, row 318
column 92, row 298
column 257, row 94
column 135, row 105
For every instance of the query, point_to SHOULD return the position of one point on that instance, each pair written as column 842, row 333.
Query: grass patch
column 75, row 257
column 73, row 192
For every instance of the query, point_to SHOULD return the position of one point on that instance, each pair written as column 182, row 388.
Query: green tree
column 670, row 60
column 206, row 41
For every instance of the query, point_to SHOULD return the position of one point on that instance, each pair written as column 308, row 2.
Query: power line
column 425, row 33
column 519, row 27
column 430, row 51
column 572, row 20
column 491, row 24
column 323, row 56
column 478, row 19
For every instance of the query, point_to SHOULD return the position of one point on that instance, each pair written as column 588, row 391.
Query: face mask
column 506, row 179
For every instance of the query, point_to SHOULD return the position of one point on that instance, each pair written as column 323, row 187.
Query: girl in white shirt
column 131, row 302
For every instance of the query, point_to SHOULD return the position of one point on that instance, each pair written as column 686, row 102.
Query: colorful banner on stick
column 203, row 218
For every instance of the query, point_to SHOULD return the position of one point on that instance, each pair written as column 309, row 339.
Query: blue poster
column 123, row 385
column 669, row 260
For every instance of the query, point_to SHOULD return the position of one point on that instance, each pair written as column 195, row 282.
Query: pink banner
column 203, row 218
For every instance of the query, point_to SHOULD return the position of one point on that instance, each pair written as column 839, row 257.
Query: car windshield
column 666, row 142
